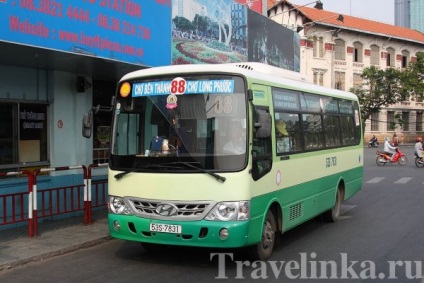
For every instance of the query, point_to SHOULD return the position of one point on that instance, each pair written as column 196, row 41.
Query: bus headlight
column 117, row 205
column 229, row 211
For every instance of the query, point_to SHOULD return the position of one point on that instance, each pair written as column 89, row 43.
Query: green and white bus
column 228, row 155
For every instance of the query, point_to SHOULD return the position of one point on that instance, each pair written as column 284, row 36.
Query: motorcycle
column 373, row 143
column 383, row 158
column 418, row 161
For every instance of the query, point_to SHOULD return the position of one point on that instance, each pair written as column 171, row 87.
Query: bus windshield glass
column 195, row 119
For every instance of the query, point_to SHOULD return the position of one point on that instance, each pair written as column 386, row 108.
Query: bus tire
column 333, row 214
column 263, row 250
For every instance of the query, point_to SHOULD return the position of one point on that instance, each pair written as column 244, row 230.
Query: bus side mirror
column 87, row 124
column 87, row 121
column 263, row 125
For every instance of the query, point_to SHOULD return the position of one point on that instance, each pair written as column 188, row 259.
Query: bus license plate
column 165, row 228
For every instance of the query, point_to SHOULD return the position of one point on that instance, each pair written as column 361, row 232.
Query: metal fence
column 34, row 204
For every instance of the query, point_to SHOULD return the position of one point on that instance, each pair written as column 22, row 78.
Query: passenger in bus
column 283, row 140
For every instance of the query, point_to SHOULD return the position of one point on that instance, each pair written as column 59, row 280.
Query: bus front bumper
column 199, row 233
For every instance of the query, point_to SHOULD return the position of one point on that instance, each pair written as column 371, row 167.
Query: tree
column 413, row 77
column 381, row 88
column 183, row 24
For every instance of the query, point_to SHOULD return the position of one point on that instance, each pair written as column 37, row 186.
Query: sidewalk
column 54, row 238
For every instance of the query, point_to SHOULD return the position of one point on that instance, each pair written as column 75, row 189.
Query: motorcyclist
column 419, row 148
column 389, row 149
column 373, row 140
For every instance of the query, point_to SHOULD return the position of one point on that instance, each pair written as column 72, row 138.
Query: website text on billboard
column 55, row 8
column 119, row 26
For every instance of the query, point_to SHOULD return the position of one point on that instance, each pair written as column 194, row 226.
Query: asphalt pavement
column 55, row 237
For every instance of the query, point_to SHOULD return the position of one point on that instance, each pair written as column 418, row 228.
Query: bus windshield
column 201, row 120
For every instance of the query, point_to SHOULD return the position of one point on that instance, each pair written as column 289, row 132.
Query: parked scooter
column 383, row 158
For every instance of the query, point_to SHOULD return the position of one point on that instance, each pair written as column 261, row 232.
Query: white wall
column 67, row 145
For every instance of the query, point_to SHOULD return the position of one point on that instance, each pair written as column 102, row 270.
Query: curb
column 62, row 251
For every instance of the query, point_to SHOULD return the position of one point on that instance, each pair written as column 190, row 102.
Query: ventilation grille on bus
column 185, row 210
column 244, row 66
column 296, row 211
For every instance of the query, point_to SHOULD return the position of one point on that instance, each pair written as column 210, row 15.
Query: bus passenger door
column 261, row 128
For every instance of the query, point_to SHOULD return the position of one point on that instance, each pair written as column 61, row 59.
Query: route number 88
column 178, row 86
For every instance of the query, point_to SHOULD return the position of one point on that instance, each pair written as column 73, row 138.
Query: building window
column 375, row 55
column 374, row 121
column 357, row 52
column 419, row 123
column 319, row 47
column 339, row 80
column 357, row 80
column 405, row 58
column 405, row 120
column 23, row 135
column 390, row 59
column 318, row 78
column 391, row 120
column 340, row 50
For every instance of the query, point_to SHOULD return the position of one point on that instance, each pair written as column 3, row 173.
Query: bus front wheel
column 263, row 250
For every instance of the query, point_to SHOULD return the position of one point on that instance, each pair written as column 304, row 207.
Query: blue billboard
column 127, row 31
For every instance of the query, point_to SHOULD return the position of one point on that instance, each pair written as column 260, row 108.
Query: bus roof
column 259, row 71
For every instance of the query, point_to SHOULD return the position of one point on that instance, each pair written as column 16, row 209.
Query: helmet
column 387, row 139
column 419, row 139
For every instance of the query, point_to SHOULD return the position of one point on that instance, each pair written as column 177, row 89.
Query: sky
column 376, row 10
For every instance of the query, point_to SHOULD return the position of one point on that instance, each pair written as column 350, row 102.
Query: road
column 379, row 236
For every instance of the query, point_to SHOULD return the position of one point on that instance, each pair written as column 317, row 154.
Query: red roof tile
column 355, row 24
column 362, row 25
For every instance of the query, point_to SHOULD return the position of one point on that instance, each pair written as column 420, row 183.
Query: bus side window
column 262, row 154
column 287, row 133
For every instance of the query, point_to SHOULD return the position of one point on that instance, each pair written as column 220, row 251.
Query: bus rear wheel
column 333, row 214
column 263, row 250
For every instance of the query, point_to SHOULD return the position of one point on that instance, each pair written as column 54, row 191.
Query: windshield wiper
column 136, row 168
column 219, row 178
column 169, row 165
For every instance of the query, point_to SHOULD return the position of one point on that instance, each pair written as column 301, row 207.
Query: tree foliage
column 413, row 77
column 382, row 88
